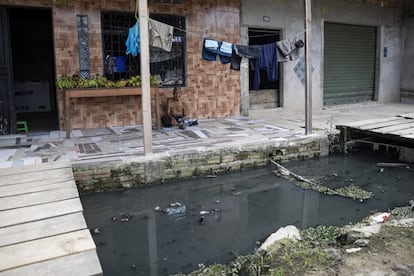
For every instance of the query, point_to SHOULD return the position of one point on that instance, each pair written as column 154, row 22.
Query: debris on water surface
column 125, row 217
column 352, row 191
column 176, row 210
column 157, row 208
column 133, row 266
column 175, row 204
column 392, row 165
column 114, row 218
column 201, row 220
column 411, row 202
column 96, row 231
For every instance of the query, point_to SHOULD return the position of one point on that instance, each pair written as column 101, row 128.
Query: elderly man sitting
column 177, row 112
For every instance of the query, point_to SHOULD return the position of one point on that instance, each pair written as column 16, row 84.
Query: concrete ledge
column 138, row 171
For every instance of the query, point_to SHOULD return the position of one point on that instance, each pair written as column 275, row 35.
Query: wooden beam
column 308, row 66
column 145, row 76
column 46, row 249
column 83, row 263
column 42, row 228
column 38, row 212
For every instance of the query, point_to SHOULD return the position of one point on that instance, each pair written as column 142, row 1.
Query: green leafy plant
column 66, row 82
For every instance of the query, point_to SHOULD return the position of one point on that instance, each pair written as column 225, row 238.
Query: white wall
column 288, row 16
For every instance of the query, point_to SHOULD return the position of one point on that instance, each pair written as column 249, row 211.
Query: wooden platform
column 42, row 228
column 397, row 130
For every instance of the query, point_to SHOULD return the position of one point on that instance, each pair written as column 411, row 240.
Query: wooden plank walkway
column 399, row 128
column 42, row 228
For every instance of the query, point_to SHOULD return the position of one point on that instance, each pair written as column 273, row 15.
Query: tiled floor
column 112, row 143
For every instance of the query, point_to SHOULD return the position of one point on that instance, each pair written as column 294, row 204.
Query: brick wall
column 213, row 89
column 141, row 171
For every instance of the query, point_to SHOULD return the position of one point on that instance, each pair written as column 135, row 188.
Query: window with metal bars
column 169, row 67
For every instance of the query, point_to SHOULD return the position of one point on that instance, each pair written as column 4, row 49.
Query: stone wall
column 141, row 171
column 212, row 89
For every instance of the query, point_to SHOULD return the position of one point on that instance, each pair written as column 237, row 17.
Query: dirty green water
column 244, row 208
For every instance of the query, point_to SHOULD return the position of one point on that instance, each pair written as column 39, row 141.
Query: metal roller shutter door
column 349, row 63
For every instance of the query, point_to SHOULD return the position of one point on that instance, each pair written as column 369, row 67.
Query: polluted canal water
column 171, row 228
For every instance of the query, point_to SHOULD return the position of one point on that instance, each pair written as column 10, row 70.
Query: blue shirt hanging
column 133, row 40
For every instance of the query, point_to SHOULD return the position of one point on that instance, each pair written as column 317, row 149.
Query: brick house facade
column 212, row 89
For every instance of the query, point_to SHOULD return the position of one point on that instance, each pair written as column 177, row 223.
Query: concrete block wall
column 288, row 17
column 141, row 171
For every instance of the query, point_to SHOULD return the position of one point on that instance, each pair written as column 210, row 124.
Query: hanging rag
column 268, row 62
column 251, row 52
column 160, row 35
column 289, row 49
column 225, row 52
column 210, row 49
column 132, row 42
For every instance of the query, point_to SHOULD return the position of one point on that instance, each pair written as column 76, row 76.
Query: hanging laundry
column 289, row 49
column 235, row 59
column 210, row 49
column 268, row 62
column 225, row 52
column 243, row 51
column 160, row 35
column 133, row 40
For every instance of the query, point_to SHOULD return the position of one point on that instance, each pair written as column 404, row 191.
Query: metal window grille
column 83, row 43
column 168, row 66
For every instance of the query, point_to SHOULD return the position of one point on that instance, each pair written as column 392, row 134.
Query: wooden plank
column 43, row 197
column 42, row 228
column 408, row 115
column 404, row 132
column 103, row 92
column 57, row 174
column 45, row 249
column 36, row 186
column 370, row 122
column 391, row 129
column 37, row 212
column 80, row 264
column 383, row 124
column 35, row 168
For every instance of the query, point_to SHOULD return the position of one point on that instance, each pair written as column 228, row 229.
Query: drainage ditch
column 174, row 227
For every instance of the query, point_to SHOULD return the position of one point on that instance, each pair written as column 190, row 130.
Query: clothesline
column 202, row 36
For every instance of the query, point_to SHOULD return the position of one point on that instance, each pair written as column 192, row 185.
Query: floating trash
column 176, row 210
column 125, row 217
column 96, row 231
column 175, row 204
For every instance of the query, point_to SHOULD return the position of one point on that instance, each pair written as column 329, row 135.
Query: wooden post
column 145, row 76
column 308, row 65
